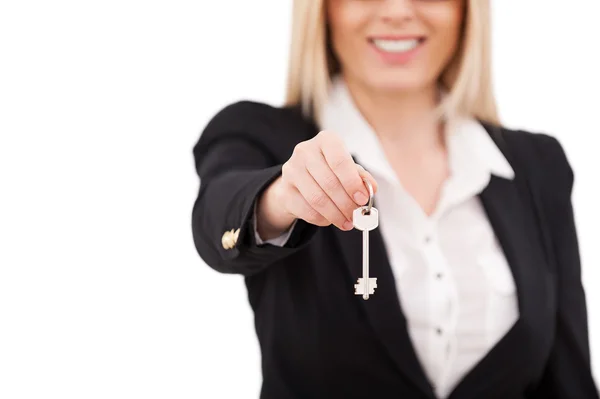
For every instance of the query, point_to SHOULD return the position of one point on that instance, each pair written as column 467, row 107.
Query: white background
column 102, row 294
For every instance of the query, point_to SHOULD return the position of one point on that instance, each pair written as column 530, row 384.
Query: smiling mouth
column 397, row 46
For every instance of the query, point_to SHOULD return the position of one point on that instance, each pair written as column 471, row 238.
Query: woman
column 477, row 291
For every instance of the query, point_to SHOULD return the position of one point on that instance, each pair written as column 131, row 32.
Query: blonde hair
column 467, row 79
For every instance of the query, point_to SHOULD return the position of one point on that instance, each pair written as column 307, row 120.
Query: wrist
column 272, row 218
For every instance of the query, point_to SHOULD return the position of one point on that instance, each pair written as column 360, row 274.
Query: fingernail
column 348, row 225
column 360, row 198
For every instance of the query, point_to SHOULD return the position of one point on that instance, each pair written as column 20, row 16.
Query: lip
column 396, row 37
column 392, row 59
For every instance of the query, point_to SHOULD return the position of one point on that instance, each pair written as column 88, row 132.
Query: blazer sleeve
column 239, row 153
column 568, row 372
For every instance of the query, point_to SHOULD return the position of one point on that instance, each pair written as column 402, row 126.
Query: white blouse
column 454, row 284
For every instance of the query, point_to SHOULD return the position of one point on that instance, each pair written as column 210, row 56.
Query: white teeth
column 396, row 46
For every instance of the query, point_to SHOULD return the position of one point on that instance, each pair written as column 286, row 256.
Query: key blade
column 373, row 283
column 359, row 288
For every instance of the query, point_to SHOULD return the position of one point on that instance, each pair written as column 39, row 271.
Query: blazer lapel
column 515, row 227
column 383, row 310
column 513, row 222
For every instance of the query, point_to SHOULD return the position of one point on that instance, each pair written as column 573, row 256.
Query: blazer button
column 229, row 238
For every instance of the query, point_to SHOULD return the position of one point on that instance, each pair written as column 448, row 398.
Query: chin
column 394, row 82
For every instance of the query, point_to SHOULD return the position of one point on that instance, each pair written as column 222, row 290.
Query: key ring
column 370, row 204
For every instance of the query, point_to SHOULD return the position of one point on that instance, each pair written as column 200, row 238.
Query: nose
column 397, row 11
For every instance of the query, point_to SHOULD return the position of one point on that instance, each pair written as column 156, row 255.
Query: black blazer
column 319, row 340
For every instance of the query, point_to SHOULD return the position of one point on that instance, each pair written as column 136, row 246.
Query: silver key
column 366, row 222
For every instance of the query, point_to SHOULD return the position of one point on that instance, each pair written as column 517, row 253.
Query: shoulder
column 541, row 145
column 541, row 153
column 247, row 115
column 276, row 127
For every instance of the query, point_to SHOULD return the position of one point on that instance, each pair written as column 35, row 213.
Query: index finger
column 343, row 166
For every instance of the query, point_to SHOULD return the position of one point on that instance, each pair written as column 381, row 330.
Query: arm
column 568, row 373
column 236, row 164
